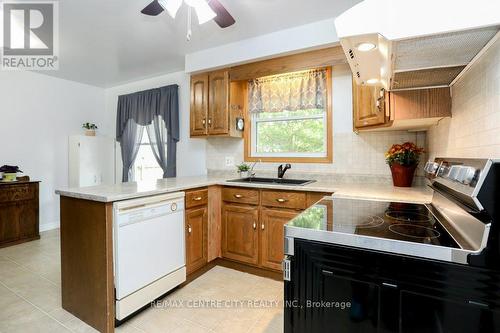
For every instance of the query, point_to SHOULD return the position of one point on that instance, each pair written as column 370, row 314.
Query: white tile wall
column 474, row 129
column 353, row 154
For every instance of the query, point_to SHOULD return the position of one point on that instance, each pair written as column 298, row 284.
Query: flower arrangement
column 403, row 160
column 407, row 154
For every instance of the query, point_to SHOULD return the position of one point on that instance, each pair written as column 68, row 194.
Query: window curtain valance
column 144, row 106
column 157, row 110
column 291, row 92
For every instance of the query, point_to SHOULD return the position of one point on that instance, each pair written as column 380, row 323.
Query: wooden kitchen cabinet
column 199, row 104
column 240, row 236
column 196, row 223
column 368, row 105
column 417, row 109
column 272, row 223
column 216, row 103
column 19, row 212
column 196, row 238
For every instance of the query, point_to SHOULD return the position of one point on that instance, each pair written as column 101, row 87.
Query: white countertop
column 123, row 191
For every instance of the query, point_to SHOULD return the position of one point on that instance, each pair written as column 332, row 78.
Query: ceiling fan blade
column 153, row 9
column 223, row 18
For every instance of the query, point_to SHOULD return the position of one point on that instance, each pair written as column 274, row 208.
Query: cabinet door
column 9, row 222
column 365, row 108
column 218, row 109
column 432, row 314
column 199, row 104
column 271, row 225
column 196, row 238
column 239, row 233
column 354, row 304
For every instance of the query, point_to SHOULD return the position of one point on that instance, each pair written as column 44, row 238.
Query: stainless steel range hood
column 410, row 45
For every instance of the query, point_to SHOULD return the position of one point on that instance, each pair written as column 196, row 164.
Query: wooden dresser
column 18, row 212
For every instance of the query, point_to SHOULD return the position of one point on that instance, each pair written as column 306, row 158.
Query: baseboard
column 49, row 226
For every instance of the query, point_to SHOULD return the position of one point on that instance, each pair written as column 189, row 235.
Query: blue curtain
column 157, row 110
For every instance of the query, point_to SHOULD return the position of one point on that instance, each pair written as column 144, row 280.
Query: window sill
column 326, row 160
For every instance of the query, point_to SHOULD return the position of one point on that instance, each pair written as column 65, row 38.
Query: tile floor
column 221, row 300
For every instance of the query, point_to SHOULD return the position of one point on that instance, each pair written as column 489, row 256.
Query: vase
column 90, row 132
column 402, row 175
column 244, row 174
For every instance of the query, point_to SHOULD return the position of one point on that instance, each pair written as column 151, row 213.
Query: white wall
column 353, row 154
column 37, row 114
column 307, row 36
column 191, row 155
column 473, row 130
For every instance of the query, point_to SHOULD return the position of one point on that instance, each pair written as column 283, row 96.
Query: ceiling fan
column 206, row 10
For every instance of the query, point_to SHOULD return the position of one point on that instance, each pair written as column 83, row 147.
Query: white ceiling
column 106, row 42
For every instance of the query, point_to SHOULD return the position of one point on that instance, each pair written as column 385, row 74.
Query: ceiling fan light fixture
column 171, row 6
column 203, row 10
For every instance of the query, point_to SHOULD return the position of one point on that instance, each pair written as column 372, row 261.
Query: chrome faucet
column 281, row 170
column 252, row 174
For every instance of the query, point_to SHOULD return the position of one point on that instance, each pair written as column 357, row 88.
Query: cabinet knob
column 189, row 229
column 254, row 225
column 281, row 200
column 209, row 122
column 238, row 196
column 204, row 122
column 197, row 199
column 262, row 226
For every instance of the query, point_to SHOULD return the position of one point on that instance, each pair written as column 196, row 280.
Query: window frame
column 249, row 134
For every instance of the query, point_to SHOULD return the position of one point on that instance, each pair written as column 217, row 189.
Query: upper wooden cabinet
column 216, row 103
column 376, row 110
column 368, row 105
column 199, row 104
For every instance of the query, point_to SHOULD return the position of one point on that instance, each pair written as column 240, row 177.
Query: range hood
column 400, row 44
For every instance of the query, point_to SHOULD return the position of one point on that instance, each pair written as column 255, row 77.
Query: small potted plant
column 89, row 128
column 243, row 170
column 403, row 160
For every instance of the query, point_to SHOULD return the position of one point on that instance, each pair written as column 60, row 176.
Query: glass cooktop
column 389, row 220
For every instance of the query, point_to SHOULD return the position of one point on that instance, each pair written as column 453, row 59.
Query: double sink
column 272, row 181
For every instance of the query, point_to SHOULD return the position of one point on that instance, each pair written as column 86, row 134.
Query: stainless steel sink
column 280, row 181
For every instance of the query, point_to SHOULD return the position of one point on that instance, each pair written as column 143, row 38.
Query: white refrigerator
column 91, row 160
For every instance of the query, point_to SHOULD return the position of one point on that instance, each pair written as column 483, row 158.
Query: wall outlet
column 229, row 161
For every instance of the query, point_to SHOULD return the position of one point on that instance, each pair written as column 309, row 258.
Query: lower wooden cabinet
column 196, row 238
column 240, row 237
column 18, row 212
column 272, row 223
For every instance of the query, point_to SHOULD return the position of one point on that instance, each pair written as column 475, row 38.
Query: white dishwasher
column 149, row 249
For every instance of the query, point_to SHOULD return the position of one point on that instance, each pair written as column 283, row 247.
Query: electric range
column 367, row 266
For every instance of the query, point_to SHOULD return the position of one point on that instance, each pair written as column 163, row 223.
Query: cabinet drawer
column 10, row 193
column 240, row 195
column 196, row 198
column 292, row 200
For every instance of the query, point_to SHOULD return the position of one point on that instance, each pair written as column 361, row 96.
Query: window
column 145, row 165
column 290, row 118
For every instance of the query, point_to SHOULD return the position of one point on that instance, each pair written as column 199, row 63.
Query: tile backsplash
column 353, row 154
column 474, row 129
